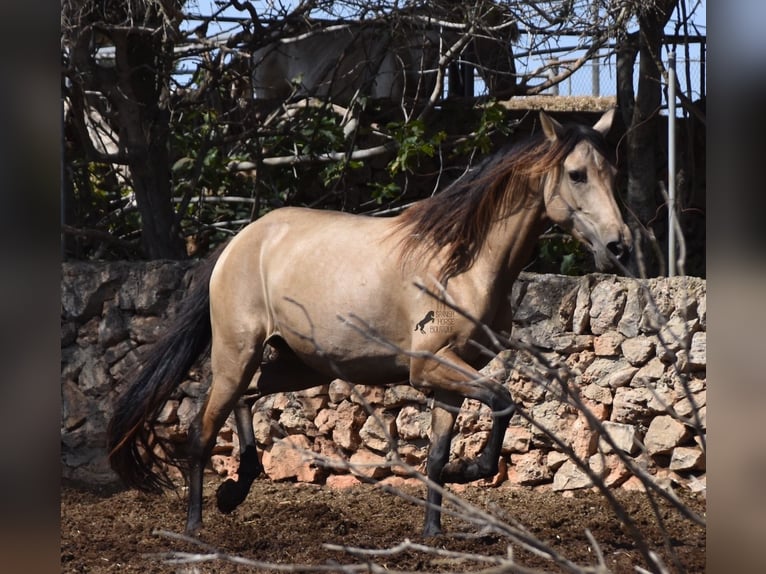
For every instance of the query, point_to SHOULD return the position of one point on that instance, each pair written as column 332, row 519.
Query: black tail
column 136, row 454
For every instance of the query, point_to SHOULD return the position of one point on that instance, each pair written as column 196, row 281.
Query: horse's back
column 303, row 275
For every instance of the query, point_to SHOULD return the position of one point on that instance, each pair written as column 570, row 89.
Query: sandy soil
column 105, row 531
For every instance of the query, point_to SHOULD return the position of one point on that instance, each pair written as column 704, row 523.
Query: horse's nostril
column 617, row 248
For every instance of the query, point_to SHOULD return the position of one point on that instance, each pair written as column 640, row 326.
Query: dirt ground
column 282, row 523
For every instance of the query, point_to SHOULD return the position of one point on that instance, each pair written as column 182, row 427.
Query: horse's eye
column 578, row 176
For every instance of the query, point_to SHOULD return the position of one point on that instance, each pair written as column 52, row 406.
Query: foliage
column 231, row 157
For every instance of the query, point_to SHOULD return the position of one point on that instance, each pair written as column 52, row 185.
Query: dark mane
column 458, row 218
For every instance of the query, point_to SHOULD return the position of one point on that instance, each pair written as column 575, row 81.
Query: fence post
column 553, row 71
column 671, row 164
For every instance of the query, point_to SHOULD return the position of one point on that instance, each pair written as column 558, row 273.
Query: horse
column 300, row 297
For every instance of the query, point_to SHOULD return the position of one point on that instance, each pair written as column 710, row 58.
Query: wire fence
column 598, row 77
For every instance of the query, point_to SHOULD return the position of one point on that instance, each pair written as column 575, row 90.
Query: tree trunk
column 144, row 130
column 642, row 113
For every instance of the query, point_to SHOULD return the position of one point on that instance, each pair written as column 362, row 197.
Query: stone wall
column 634, row 352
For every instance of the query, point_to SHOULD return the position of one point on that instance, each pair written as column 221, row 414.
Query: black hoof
column 193, row 529
column 461, row 471
column 230, row 495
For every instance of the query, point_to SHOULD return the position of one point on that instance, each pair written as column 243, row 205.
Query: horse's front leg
column 443, row 414
column 453, row 379
column 486, row 465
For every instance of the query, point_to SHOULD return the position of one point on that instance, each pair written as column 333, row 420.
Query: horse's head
column 579, row 196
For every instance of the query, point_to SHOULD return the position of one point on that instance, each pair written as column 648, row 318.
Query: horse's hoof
column 230, row 495
column 460, row 472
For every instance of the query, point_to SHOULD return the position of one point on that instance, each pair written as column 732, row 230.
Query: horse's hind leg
column 232, row 493
column 282, row 372
column 232, row 372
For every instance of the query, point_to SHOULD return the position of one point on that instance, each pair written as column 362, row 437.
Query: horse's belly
column 353, row 357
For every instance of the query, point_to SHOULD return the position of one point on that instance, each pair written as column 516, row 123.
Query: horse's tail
column 136, row 453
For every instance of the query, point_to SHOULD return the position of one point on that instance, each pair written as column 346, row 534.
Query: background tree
column 173, row 137
column 134, row 91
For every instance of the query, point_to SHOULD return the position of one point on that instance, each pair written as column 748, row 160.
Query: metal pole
column 672, row 164
column 595, row 70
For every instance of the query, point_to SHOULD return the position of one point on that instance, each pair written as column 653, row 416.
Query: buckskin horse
column 337, row 295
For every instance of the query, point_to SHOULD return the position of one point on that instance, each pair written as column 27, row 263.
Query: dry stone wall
column 633, row 352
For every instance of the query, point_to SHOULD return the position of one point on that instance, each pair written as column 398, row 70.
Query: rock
column 400, row 395
column 342, row 481
column 608, row 344
column 339, row 390
column 194, row 389
column 630, row 322
column 289, row 458
column 263, row 427
column 370, row 464
column 85, row 287
column 685, row 407
column 367, row 396
column 687, row 458
column 620, row 376
column 662, row 397
column 413, row 456
column 581, row 314
column 598, row 393
column 567, row 343
column 638, row 350
column 516, row 440
column 413, row 423
column 664, row 434
column 674, row 335
column 528, row 469
column 607, row 303
column 609, row 373
column 553, row 417
column 186, row 412
column 610, row 468
column 294, row 421
column 112, row 328
column 651, row 371
column 95, row 379
column 468, row 446
column 312, row 405
column 570, row 477
column 581, row 437
column 623, row 435
column 325, row 420
column 75, row 406
column 555, row 459
column 378, row 433
column 169, row 413
column 145, row 329
column 351, row 417
column 698, row 351
column 629, row 405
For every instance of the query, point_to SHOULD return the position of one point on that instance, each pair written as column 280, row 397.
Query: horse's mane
column 458, row 218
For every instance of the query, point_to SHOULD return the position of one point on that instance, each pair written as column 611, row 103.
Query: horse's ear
column 604, row 123
column 551, row 128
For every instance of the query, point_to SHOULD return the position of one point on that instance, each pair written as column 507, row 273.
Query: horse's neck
column 509, row 245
